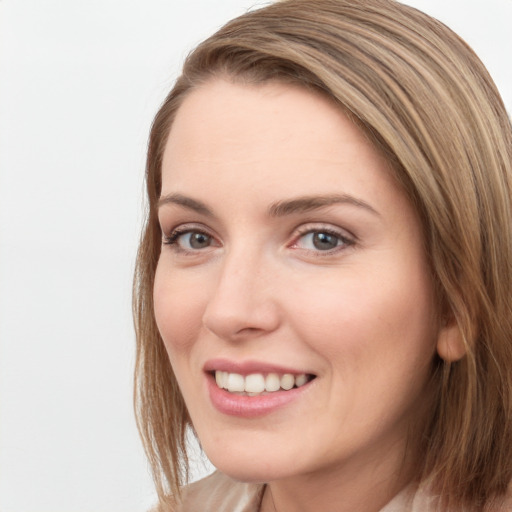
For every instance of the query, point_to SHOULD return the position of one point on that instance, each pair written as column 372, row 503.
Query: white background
column 79, row 83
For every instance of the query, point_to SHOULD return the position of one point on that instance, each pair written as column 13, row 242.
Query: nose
column 243, row 302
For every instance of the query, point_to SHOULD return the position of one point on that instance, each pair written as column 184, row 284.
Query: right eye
column 189, row 240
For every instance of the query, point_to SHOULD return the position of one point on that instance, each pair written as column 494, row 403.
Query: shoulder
column 421, row 498
column 219, row 493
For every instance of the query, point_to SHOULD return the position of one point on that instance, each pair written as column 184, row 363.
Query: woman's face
column 290, row 257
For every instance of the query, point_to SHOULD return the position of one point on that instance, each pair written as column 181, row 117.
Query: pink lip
column 250, row 406
column 247, row 367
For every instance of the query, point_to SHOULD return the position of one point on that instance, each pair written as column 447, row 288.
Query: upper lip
column 248, row 367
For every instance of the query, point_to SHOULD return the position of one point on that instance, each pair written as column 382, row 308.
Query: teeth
column 257, row 383
column 254, row 383
column 300, row 380
column 235, row 382
column 272, row 382
column 287, row 381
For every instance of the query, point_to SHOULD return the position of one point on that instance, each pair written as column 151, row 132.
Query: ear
column 450, row 343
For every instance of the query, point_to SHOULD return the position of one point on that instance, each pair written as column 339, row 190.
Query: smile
column 256, row 384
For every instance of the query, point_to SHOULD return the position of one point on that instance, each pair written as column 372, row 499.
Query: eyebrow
column 186, row 202
column 309, row 203
column 280, row 209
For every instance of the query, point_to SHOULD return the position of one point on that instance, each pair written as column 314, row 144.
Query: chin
column 248, row 467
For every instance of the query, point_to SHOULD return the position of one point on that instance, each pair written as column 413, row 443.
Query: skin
column 360, row 316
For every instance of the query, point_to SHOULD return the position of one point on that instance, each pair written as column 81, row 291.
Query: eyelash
column 344, row 241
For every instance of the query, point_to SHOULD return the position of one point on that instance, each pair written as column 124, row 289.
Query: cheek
column 368, row 321
column 179, row 308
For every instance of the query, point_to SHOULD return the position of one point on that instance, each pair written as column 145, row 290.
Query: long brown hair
column 424, row 99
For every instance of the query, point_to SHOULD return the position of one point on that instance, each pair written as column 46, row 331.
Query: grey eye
column 320, row 241
column 324, row 241
column 196, row 240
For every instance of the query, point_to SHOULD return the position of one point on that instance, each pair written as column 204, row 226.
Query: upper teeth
column 257, row 382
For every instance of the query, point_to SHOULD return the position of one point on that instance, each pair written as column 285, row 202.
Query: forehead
column 271, row 126
column 253, row 114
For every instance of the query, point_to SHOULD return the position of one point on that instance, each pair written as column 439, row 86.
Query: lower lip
column 250, row 406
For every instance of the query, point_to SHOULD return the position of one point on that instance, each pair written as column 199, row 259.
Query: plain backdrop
column 79, row 84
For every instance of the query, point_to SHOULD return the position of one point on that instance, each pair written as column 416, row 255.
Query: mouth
column 259, row 384
column 252, row 389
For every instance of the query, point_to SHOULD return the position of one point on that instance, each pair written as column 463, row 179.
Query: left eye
column 320, row 241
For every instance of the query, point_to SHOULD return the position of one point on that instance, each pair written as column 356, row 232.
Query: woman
column 322, row 287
